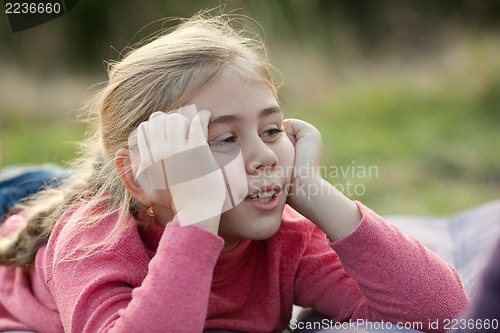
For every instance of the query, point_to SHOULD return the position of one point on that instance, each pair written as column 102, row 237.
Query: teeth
column 263, row 195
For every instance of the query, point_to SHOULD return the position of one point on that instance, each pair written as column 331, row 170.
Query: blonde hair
column 158, row 76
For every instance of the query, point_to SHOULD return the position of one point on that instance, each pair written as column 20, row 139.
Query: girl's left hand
column 308, row 152
column 310, row 194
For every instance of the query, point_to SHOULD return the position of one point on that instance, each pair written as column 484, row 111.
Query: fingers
column 176, row 126
column 198, row 128
column 143, row 140
column 289, row 130
column 198, row 131
column 188, row 127
column 299, row 129
column 188, row 111
column 157, row 135
column 165, row 135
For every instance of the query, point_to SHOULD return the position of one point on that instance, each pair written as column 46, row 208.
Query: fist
column 174, row 163
column 308, row 148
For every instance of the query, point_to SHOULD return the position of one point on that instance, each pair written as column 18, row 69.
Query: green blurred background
column 408, row 90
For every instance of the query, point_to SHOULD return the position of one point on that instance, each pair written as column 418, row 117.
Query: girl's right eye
column 224, row 140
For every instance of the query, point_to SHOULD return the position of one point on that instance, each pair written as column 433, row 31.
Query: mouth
column 262, row 197
column 266, row 198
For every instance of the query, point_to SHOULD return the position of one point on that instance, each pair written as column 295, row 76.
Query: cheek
column 285, row 151
column 233, row 167
column 228, row 157
column 163, row 196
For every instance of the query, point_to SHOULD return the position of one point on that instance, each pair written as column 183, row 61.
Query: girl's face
column 246, row 118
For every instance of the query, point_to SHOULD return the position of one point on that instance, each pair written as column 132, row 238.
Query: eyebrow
column 235, row 117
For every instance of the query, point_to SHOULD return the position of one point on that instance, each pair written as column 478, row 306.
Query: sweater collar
column 231, row 262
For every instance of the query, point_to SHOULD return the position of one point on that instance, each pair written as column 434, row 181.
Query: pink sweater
column 174, row 279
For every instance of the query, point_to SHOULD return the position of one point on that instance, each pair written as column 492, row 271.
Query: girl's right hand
column 177, row 167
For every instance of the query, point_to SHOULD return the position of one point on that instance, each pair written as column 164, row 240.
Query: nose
column 257, row 156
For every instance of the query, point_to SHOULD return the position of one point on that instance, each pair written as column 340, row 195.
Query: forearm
column 400, row 279
column 175, row 293
column 131, row 293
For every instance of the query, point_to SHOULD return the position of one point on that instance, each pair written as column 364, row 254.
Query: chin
column 243, row 222
column 265, row 230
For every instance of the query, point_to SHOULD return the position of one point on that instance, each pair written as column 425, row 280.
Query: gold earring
column 151, row 211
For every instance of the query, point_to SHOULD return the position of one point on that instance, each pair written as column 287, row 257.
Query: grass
column 433, row 152
column 38, row 140
column 38, row 116
column 431, row 132
column 421, row 138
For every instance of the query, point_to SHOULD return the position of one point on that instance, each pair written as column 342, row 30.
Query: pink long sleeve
column 381, row 275
column 109, row 291
column 175, row 279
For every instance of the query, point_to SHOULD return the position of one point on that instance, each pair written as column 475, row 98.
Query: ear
column 125, row 172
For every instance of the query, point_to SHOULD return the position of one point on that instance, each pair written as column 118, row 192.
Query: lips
column 262, row 197
column 265, row 198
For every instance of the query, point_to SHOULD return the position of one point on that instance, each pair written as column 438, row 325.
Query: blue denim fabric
column 17, row 182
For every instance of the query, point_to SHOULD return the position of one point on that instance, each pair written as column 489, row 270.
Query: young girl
column 141, row 239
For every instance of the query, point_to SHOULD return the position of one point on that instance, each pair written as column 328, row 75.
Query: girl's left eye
column 272, row 134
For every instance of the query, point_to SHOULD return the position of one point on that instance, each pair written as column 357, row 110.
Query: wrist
column 302, row 192
column 304, row 189
column 210, row 224
column 202, row 215
column 334, row 213
column 324, row 205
